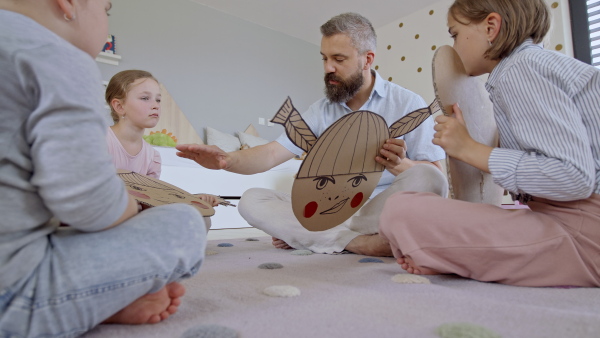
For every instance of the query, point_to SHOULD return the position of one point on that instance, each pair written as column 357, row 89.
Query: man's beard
column 345, row 89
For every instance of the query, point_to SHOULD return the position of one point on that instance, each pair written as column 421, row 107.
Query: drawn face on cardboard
column 339, row 172
column 333, row 198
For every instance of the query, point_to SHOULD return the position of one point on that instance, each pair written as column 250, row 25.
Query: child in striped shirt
column 546, row 106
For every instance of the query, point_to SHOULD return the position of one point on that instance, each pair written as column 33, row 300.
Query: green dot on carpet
column 465, row 330
column 252, row 239
column 282, row 291
column 302, row 252
column 270, row 266
column 224, row 245
column 210, row 331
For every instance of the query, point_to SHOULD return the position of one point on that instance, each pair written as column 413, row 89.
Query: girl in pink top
column 134, row 100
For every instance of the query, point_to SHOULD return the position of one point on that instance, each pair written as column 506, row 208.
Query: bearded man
column 348, row 50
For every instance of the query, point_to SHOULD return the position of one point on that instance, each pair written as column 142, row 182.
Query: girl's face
column 91, row 25
column 471, row 43
column 142, row 104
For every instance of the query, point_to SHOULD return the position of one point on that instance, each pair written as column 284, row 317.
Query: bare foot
column 370, row 245
column 151, row 308
column 280, row 244
column 409, row 265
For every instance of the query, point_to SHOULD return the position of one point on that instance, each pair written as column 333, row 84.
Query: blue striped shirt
column 547, row 108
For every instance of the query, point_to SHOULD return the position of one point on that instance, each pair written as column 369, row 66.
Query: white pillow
column 251, row 140
column 222, row 140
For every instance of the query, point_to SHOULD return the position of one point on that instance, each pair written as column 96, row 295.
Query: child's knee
column 397, row 210
column 181, row 221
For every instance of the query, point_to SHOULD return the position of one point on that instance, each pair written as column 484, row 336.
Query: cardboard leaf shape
column 296, row 129
column 452, row 84
column 339, row 172
column 153, row 192
column 412, row 120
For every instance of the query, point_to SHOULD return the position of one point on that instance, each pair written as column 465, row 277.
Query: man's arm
column 247, row 162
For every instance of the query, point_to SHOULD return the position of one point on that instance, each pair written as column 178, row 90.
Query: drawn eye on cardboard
column 153, row 192
column 339, row 172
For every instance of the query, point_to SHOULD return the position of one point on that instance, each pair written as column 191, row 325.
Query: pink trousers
column 553, row 244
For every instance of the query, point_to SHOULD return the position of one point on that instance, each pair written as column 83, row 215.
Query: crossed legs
column 271, row 212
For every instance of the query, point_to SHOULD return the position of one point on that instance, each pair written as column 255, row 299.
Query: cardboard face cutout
column 152, row 192
column 339, row 173
column 452, row 84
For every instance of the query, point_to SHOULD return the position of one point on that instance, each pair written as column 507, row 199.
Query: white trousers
column 271, row 212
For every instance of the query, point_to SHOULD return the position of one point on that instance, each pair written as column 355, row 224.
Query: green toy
column 160, row 139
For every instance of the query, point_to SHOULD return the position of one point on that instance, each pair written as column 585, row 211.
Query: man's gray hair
column 356, row 27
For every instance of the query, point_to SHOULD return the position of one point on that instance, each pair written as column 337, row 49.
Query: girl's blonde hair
column 120, row 84
column 521, row 19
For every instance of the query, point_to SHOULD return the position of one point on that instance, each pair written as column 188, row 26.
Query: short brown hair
column 119, row 85
column 358, row 28
column 521, row 19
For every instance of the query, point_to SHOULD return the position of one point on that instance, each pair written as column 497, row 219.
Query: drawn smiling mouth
column 337, row 207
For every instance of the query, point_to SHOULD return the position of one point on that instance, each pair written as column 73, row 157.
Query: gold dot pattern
column 417, row 36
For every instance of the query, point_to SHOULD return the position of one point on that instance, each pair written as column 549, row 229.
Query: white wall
column 225, row 72
column 430, row 26
column 222, row 71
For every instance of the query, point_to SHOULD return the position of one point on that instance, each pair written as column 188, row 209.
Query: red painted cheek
column 138, row 194
column 356, row 200
column 310, row 209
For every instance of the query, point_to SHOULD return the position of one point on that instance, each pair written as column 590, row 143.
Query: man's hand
column 393, row 156
column 210, row 157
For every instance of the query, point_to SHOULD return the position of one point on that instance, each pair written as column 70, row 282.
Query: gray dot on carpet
column 282, row 291
column 252, row 239
column 270, row 266
column 302, row 252
column 210, row 331
column 370, row 260
column 223, row 245
column 464, row 330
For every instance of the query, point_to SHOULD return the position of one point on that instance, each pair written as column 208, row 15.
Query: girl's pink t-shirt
column 146, row 162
